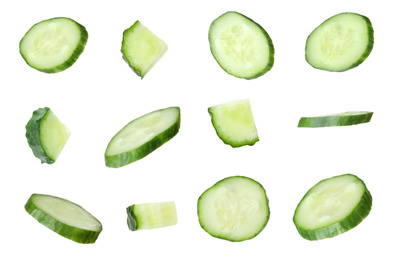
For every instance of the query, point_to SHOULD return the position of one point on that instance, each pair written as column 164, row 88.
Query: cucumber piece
column 64, row 217
column 340, row 43
column 234, row 209
column 234, row 123
column 46, row 135
column 332, row 207
column 141, row 48
column 151, row 215
column 142, row 136
column 340, row 119
column 241, row 47
column 53, row 45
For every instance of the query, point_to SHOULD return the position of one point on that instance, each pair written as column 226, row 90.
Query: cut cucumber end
column 241, row 47
column 339, row 119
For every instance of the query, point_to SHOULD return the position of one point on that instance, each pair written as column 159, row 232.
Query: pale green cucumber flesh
column 141, row 48
column 46, row 135
column 340, row 119
column 340, row 43
column 234, row 123
column 234, row 209
column 240, row 46
column 332, row 207
column 142, row 136
column 64, row 217
column 151, row 215
column 53, row 45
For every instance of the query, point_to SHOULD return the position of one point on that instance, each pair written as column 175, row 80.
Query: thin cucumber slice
column 53, row 45
column 332, row 207
column 234, row 123
column 141, row 48
column 235, row 209
column 46, row 135
column 151, row 215
column 241, row 47
column 142, row 136
column 340, row 43
column 64, row 217
column 340, row 119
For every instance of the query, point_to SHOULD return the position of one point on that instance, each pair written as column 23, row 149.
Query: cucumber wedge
column 46, row 135
column 53, row 45
column 332, row 207
column 64, row 217
column 234, row 209
column 234, row 123
column 340, row 119
column 142, row 136
column 340, row 43
column 141, row 49
column 151, row 215
column 241, row 47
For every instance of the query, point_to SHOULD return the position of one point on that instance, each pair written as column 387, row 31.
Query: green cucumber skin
column 33, row 135
column 358, row 214
column 73, row 58
column 120, row 160
column 270, row 62
column 335, row 120
column 127, row 31
column 73, row 233
column 131, row 219
column 366, row 52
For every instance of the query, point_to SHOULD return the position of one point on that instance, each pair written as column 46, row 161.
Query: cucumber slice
column 340, row 119
column 151, row 215
column 340, row 43
column 332, row 207
column 241, row 47
column 46, row 135
column 234, row 123
column 141, row 49
column 142, row 136
column 64, row 217
column 53, row 45
column 235, row 209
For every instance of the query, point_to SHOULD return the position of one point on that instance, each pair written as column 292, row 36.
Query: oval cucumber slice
column 340, row 119
column 53, row 45
column 241, row 47
column 332, row 207
column 142, row 136
column 340, row 43
column 46, row 135
column 64, row 217
column 235, row 209
column 151, row 215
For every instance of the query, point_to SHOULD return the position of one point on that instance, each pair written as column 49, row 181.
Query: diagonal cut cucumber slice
column 340, row 119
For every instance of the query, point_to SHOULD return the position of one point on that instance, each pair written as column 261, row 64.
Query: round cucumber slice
column 340, row 119
column 241, row 47
column 235, row 209
column 332, row 207
column 64, row 217
column 53, row 45
column 142, row 136
column 340, row 43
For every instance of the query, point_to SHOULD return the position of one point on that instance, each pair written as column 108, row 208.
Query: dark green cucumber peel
column 131, row 219
column 343, row 119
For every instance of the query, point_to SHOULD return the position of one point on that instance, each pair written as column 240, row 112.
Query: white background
column 99, row 94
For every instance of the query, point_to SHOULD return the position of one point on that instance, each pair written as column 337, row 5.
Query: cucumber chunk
column 53, row 45
column 235, row 209
column 332, row 207
column 141, row 49
column 64, row 217
column 142, row 136
column 241, row 47
column 340, row 43
column 151, row 215
column 46, row 135
column 340, row 119
column 234, row 123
